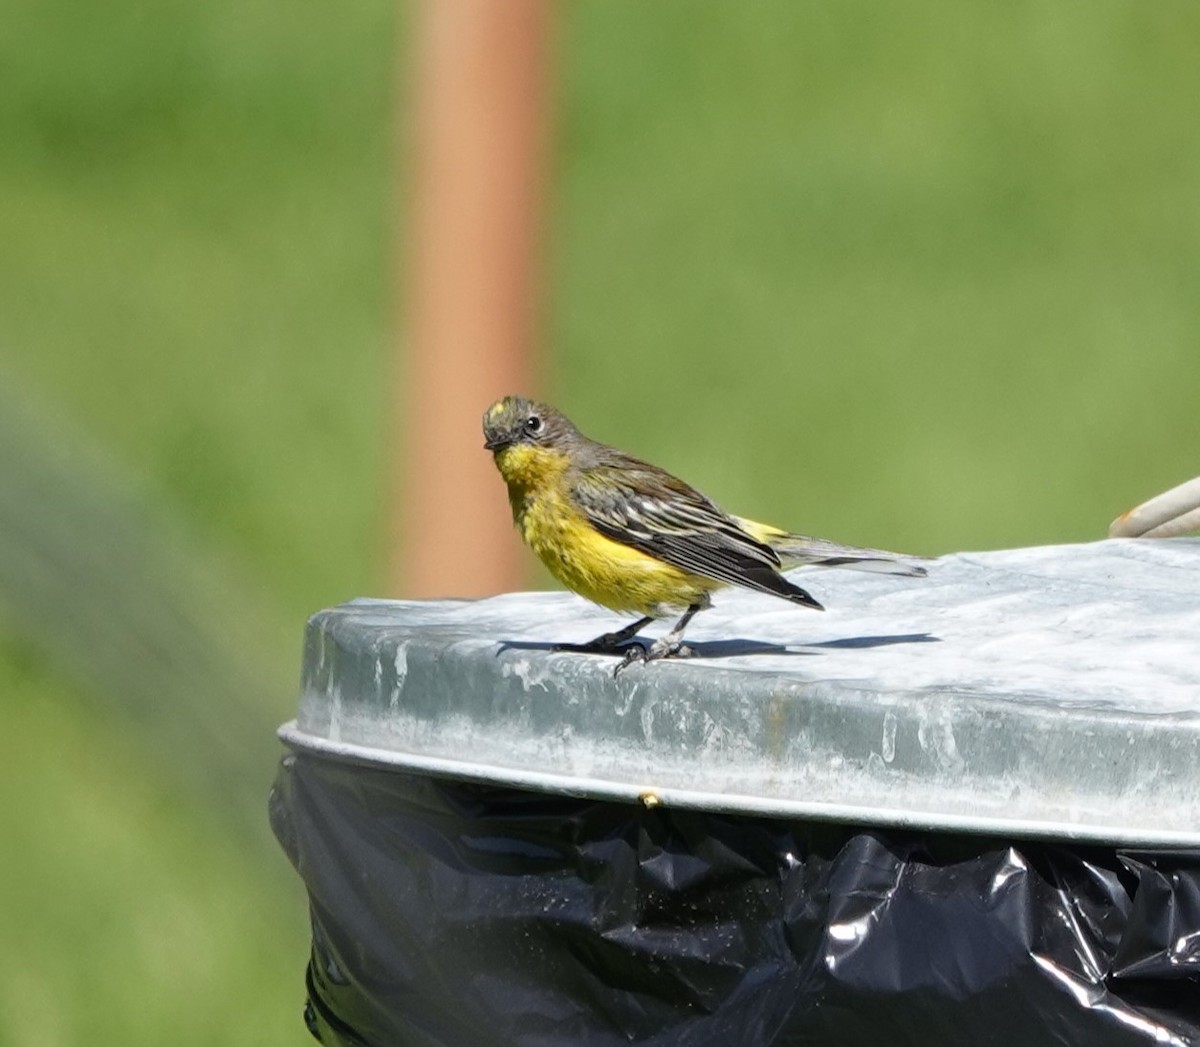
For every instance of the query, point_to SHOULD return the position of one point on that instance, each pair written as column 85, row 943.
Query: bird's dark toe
column 633, row 653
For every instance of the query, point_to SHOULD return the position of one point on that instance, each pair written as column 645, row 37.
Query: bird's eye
column 533, row 424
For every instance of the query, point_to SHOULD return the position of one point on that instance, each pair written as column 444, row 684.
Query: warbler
column 635, row 539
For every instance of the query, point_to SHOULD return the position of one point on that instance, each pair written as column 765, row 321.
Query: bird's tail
column 800, row 550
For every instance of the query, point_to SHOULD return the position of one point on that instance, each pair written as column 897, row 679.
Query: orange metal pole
column 472, row 299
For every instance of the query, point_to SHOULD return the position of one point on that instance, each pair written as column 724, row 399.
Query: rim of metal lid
column 650, row 795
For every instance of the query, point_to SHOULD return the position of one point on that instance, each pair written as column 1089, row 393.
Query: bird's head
column 530, row 442
column 516, row 422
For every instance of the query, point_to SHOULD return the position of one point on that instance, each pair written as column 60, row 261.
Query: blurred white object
column 1171, row 513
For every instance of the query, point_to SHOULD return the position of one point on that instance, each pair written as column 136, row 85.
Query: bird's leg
column 608, row 643
column 669, row 646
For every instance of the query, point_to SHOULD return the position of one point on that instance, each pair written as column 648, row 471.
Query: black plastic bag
column 455, row 914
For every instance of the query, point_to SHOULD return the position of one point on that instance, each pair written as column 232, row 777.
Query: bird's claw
column 657, row 650
column 636, row 652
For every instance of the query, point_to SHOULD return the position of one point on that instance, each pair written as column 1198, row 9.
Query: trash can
column 963, row 810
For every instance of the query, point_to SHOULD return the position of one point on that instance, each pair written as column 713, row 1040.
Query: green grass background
column 922, row 276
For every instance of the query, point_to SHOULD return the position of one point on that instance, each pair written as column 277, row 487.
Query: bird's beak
column 495, row 443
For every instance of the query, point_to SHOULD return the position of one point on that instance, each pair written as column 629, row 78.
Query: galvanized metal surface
column 1050, row 691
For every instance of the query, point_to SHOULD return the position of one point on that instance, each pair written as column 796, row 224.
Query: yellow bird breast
column 604, row 571
column 609, row 573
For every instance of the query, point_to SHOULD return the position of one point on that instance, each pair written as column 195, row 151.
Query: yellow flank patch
column 760, row 532
column 607, row 572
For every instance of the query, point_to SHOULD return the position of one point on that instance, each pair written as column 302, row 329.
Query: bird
column 635, row 539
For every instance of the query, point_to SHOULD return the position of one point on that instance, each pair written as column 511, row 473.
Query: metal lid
column 1049, row 691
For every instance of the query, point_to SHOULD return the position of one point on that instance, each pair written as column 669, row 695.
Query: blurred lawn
column 193, row 272
column 916, row 277
column 922, row 276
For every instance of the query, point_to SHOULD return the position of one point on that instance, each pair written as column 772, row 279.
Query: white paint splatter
column 888, row 745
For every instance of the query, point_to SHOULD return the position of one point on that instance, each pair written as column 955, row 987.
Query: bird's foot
column 666, row 647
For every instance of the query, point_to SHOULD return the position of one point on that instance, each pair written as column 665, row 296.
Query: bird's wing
column 640, row 505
